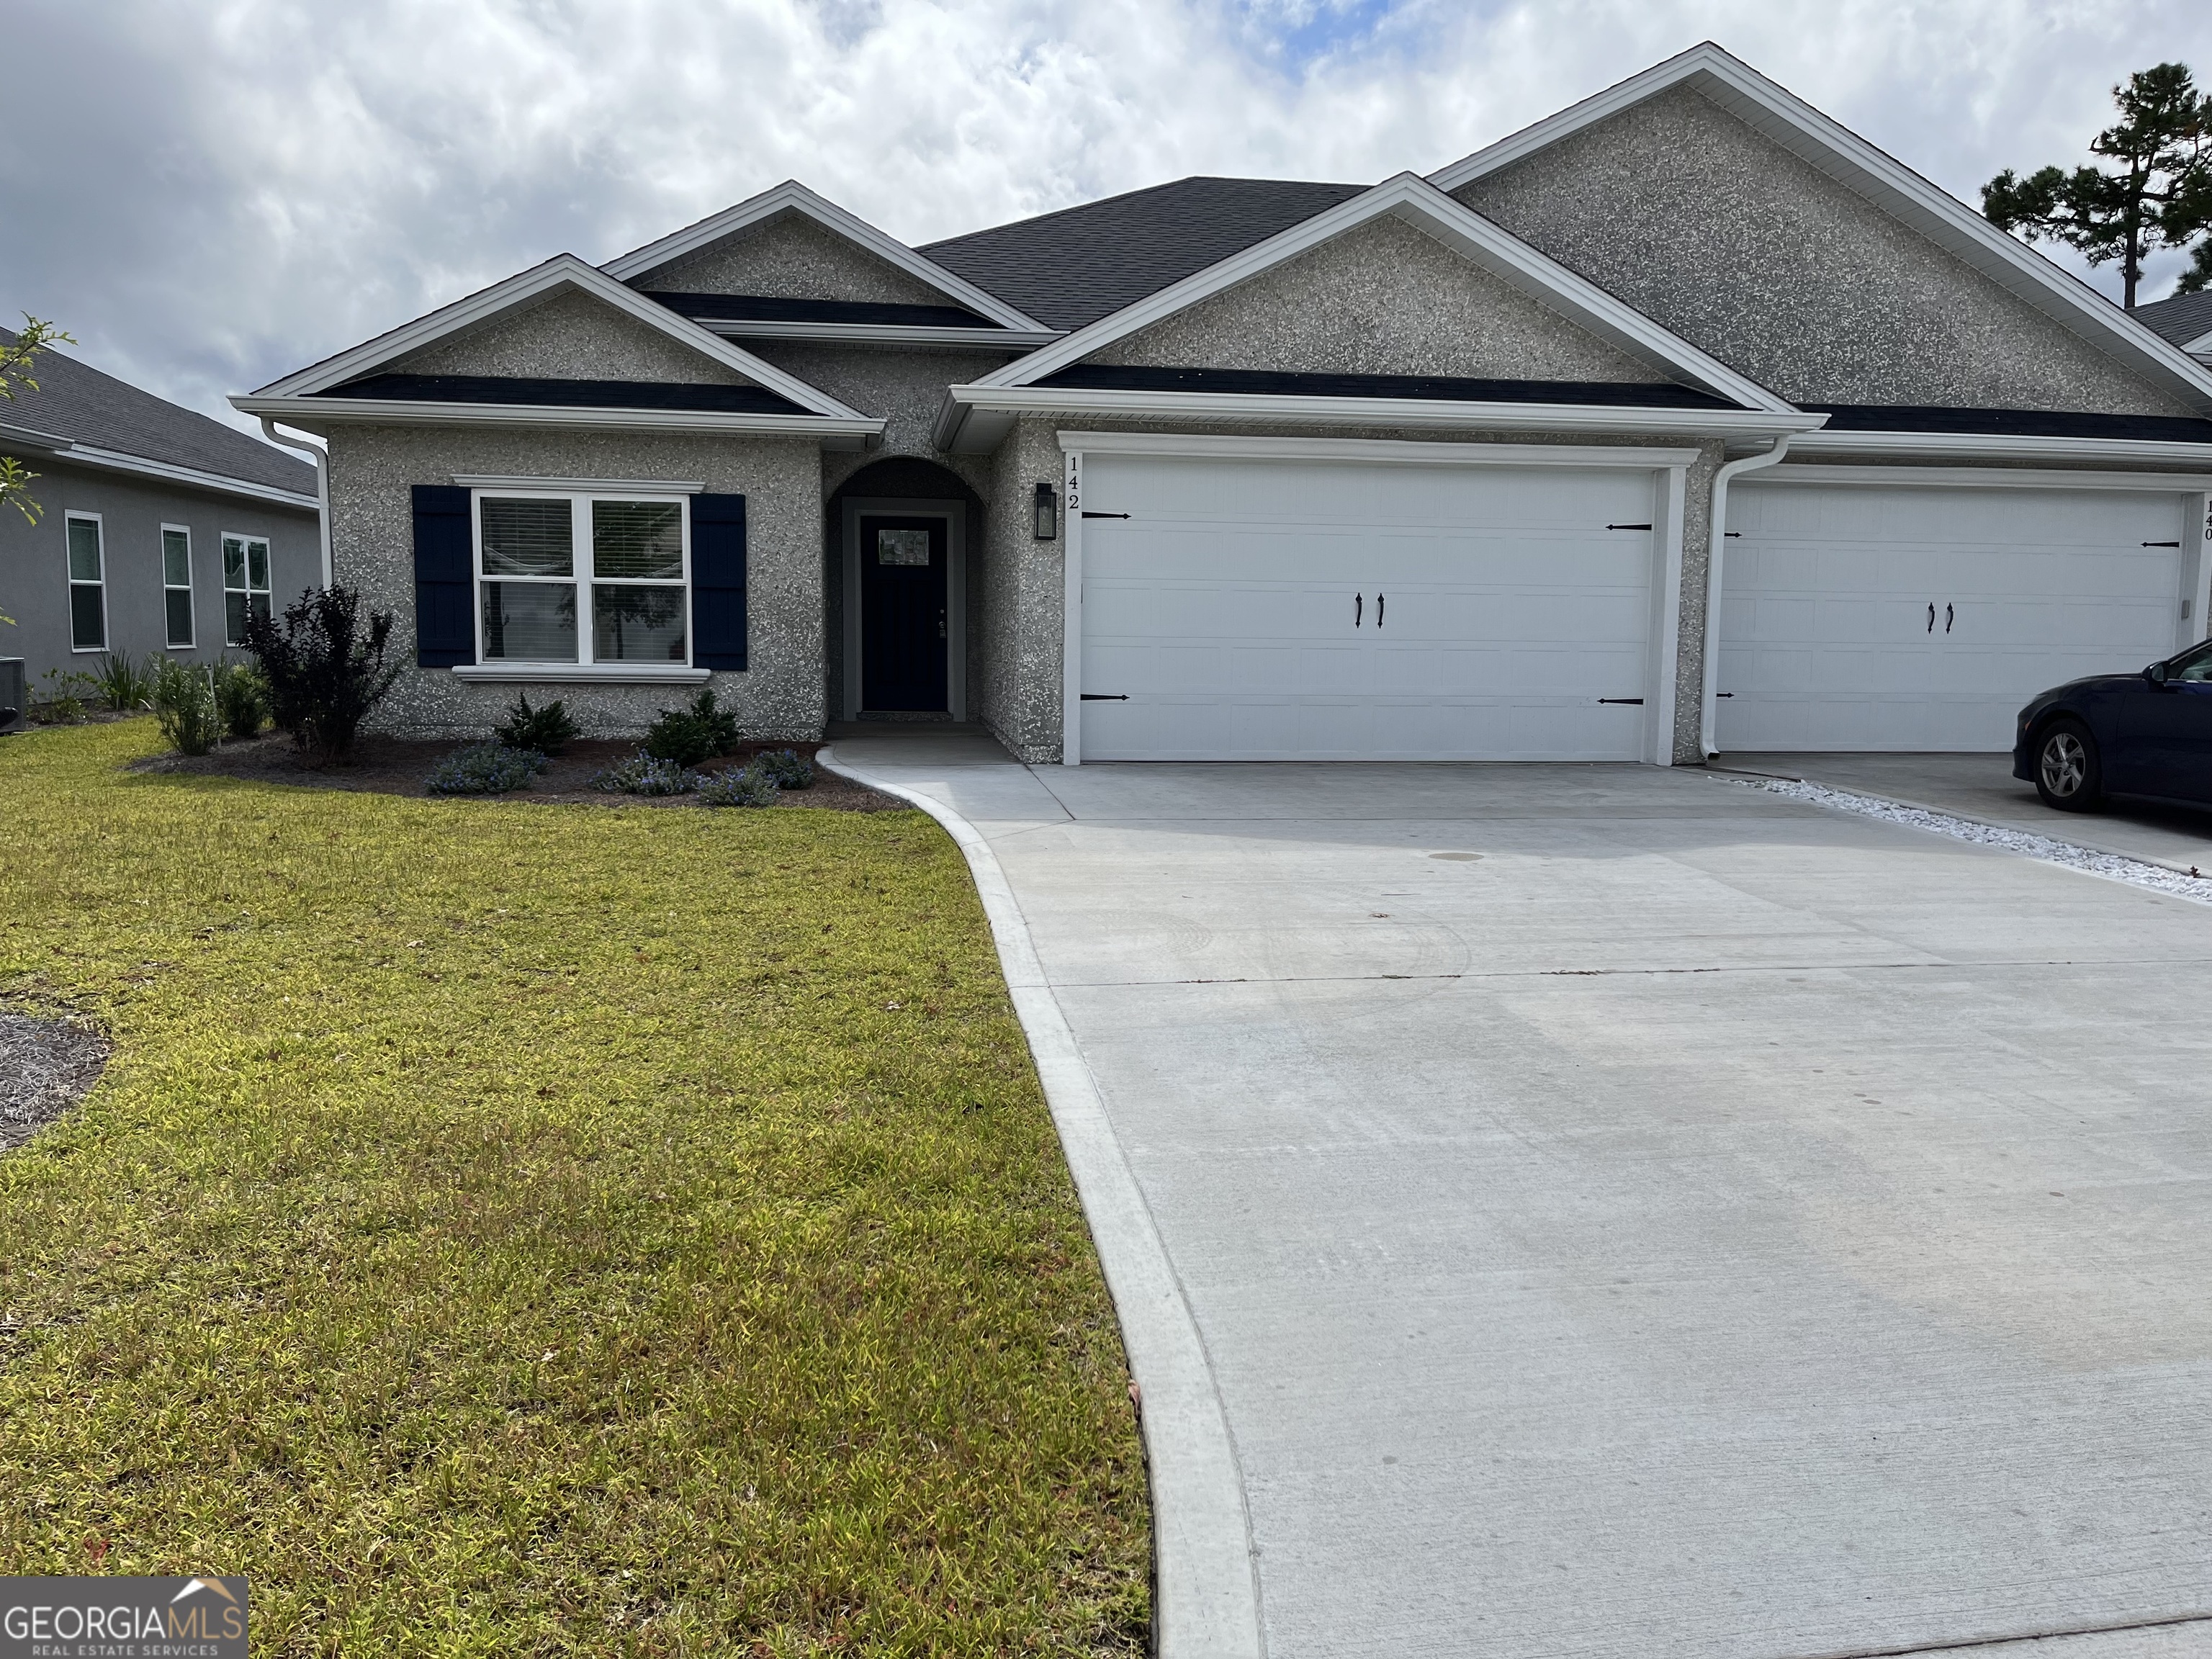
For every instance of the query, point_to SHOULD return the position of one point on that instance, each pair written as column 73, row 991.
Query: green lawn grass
column 522, row 1229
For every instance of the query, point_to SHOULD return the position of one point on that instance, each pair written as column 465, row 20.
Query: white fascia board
column 1972, row 447
column 563, row 270
column 792, row 196
column 1419, row 202
column 1012, row 341
column 1394, row 451
column 959, row 430
column 310, row 412
column 144, row 466
column 30, row 438
column 1974, row 477
column 2199, row 347
column 1836, row 150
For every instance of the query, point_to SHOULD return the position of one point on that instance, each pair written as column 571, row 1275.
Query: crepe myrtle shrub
column 242, row 697
column 187, row 706
column 548, row 730
column 688, row 736
column 786, row 768
column 646, row 775
column 325, row 670
column 746, row 786
column 485, row 768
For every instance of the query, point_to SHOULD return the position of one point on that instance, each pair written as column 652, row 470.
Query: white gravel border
column 2135, row 871
column 1205, row 1599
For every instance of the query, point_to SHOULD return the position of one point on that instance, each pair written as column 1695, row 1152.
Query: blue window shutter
column 445, row 598
column 718, row 582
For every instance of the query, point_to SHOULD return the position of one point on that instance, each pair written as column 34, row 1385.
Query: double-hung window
column 88, row 582
column 177, row 585
column 583, row 579
column 245, row 584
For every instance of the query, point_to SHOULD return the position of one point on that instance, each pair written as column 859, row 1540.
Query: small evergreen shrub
column 122, row 684
column 648, row 774
column 64, row 700
column 548, row 730
column 788, row 768
column 748, row 786
column 184, row 703
column 688, row 736
column 324, row 667
column 485, row 768
column 242, row 698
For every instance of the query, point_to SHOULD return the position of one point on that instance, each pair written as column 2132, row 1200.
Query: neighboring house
column 160, row 528
column 1470, row 465
column 2186, row 319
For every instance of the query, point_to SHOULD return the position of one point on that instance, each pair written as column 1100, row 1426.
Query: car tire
column 2069, row 774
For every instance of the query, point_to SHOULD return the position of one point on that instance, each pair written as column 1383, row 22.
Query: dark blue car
column 2122, row 734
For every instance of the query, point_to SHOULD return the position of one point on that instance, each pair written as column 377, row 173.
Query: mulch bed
column 45, row 1067
column 397, row 766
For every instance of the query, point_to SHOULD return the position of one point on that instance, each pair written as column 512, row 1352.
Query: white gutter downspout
column 322, row 460
column 1709, row 703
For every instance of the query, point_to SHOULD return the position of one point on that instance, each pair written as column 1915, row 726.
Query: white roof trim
column 1971, row 446
column 974, row 418
column 1397, row 451
column 1836, row 150
column 792, row 196
column 561, row 271
column 309, row 412
column 927, row 336
column 1976, row 477
column 1419, row 202
column 116, row 460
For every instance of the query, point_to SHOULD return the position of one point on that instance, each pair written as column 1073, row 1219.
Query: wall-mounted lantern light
column 1048, row 513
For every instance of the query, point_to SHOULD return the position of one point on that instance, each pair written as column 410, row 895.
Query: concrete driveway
column 1631, row 1214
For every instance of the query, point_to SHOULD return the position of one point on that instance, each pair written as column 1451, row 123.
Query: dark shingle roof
column 1072, row 267
column 1617, row 394
column 2184, row 317
column 78, row 402
column 763, row 308
column 2011, row 423
column 568, row 394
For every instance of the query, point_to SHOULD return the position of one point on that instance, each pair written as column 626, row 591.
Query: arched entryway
column 902, row 538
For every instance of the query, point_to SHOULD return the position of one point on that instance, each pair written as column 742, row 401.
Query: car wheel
column 2068, row 773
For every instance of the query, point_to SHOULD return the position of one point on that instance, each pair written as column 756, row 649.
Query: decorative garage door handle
column 1379, row 603
column 1950, row 616
column 1931, row 616
column 1358, row 604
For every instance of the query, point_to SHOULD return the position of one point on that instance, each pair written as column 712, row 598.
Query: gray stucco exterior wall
column 1383, row 298
column 572, row 336
column 1021, row 610
column 790, row 256
column 780, row 693
column 1721, row 234
column 34, row 564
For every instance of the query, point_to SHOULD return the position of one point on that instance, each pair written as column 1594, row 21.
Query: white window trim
column 582, row 579
column 249, row 538
column 106, row 634
column 191, row 602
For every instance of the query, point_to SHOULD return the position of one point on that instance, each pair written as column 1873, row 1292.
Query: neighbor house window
column 245, row 584
column 177, row 585
column 583, row 579
column 87, row 583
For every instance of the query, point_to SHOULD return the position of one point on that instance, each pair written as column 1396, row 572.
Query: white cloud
column 208, row 194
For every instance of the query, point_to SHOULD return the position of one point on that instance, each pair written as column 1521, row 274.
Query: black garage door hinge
column 1104, row 696
column 1638, row 701
column 2161, row 544
column 1088, row 514
column 1628, row 526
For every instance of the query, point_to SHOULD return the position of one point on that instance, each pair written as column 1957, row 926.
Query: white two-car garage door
column 1877, row 616
column 1273, row 609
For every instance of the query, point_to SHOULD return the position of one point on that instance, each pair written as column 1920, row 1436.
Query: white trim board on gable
column 1422, row 206
column 1824, row 143
column 792, row 196
column 563, row 270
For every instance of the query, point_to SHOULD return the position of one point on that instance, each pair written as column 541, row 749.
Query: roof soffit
column 1827, row 145
column 1460, row 229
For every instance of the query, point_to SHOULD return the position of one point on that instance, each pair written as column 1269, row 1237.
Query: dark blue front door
column 902, row 615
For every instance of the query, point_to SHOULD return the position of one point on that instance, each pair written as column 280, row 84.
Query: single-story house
column 1683, row 421
column 159, row 530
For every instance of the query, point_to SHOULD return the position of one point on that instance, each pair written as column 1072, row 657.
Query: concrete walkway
column 1982, row 787
column 1695, row 1224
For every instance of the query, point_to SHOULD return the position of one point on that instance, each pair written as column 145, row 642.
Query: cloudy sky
column 207, row 193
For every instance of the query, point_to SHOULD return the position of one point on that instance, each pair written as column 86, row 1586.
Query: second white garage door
column 1873, row 616
column 1247, row 609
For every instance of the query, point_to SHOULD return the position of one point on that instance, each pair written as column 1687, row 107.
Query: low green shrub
column 788, row 768
column 123, row 684
column 485, row 768
column 688, row 736
column 187, row 705
column 648, row 774
column 748, row 786
column 65, row 698
column 548, row 730
column 242, row 698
